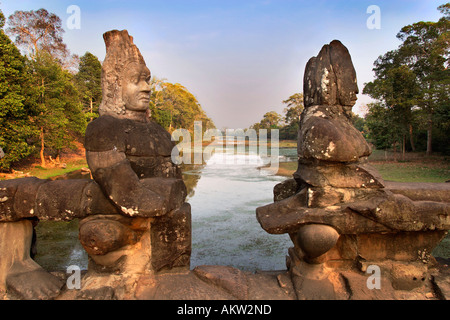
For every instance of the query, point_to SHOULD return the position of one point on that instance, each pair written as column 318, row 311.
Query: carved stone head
column 330, row 78
column 125, row 76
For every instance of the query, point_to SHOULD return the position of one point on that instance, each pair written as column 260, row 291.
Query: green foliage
column 383, row 126
column 359, row 123
column 61, row 116
column 287, row 124
column 413, row 82
column 44, row 108
column 173, row 107
column 17, row 129
column 88, row 82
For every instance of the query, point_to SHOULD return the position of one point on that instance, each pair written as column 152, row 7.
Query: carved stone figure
column 130, row 159
column 337, row 210
column 134, row 218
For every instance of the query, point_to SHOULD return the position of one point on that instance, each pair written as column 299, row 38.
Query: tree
column 294, row 108
column 60, row 116
column 358, row 122
column 427, row 46
column 396, row 85
column 383, row 126
column 292, row 117
column 17, row 129
column 88, row 80
column 173, row 106
column 270, row 120
column 39, row 30
column 416, row 76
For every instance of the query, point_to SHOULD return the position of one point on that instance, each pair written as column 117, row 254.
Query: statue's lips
column 144, row 99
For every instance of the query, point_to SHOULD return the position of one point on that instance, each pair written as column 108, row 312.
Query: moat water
column 224, row 194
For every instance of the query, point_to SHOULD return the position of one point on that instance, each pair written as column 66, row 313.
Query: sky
column 242, row 58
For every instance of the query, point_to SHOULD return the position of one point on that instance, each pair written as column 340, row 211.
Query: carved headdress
column 330, row 78
column 120, row 52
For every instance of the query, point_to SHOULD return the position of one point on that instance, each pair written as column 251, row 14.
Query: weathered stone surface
column 273, row 285
column 287, row 216
column 185, row 286
column 399, row 246
column 358, row 289
column 320, row 174
column 421, row 191
column 441, row 282
column 17, row 198
column 408, row 276
column 20, row 276
column 327, row 134
column 398, row 212
column 285, row 190
column 100, row 236
column 379, row 214
column 270, row 285
column 171, row 240
column 230, row 279
column 329, row 196
column 330, row 78
column 138, row 139
column 316, row 239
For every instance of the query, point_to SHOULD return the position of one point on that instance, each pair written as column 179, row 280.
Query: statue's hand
column 134, row 197
column 142, row 202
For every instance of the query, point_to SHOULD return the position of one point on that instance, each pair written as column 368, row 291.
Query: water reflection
column 223, row 193
column 224, row 226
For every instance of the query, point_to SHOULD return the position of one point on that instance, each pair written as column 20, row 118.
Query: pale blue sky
column 239, row 58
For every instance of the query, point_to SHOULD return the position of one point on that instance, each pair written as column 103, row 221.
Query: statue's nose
column 145, row 86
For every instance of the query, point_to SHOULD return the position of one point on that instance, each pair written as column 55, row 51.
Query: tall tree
column 61, row 118
column 270, row 120
column 416, row 75
column 17, row 129
column 396, row 85
column 385, row 129
column 40, row 30
column 294, row 108
column 173, row 106
column 88, row 80
column 292, row 116
column 37, row 30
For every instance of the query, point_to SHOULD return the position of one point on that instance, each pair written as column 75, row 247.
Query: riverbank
column 416, row 167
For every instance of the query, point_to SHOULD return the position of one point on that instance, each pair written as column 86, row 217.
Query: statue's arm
column 105, row 141
column 112, row 171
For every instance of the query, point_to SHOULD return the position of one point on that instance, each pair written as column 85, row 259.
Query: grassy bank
column 46, row 173
column 415, row 168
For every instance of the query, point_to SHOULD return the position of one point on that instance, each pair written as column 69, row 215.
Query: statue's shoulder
column 105, row 133
column 156, row 128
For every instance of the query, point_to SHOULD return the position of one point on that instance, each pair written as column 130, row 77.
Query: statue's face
column 136, row 87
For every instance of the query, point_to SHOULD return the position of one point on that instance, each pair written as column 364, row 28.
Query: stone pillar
column 20, row 276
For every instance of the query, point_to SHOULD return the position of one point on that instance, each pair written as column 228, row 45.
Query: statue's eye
column 134, row 78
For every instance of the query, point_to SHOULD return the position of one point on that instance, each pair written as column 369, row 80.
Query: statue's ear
column 112, row 102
